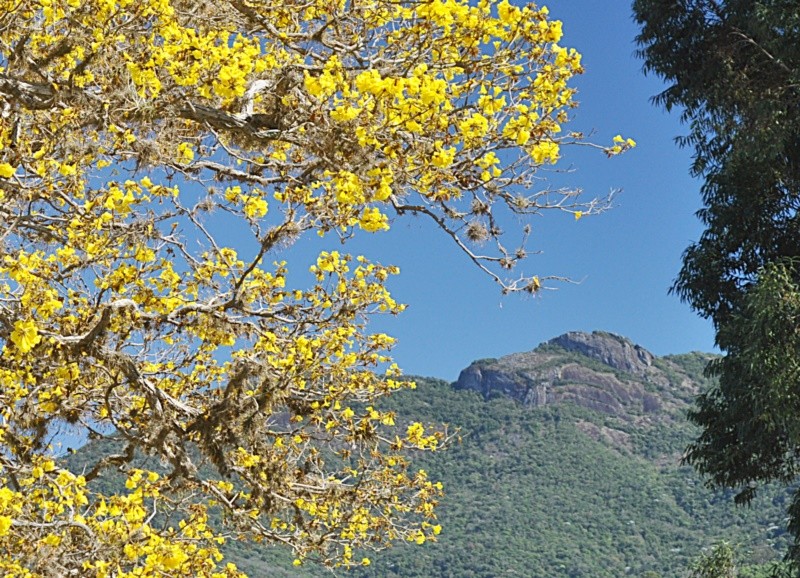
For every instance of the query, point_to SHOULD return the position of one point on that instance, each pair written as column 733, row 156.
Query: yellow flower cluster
column 156, row 157
column 114, row 533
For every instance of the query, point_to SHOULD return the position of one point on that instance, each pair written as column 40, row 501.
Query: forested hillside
column 582, row 482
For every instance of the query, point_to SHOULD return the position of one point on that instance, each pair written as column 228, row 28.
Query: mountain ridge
column 571, row 467
column 628, row 380
column 582, row 480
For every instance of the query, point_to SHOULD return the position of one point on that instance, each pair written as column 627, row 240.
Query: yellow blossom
column 373, row 220
column 5, row 525
column 25, row 335
column 6, row 170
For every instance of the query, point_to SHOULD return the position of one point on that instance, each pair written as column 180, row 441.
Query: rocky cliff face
column 615, row 351
column 601, row 371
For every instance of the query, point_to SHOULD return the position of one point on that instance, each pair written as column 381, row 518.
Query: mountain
column 568, row 466
column 602, row 372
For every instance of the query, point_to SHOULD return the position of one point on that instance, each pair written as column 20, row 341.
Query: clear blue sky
column 626, row 257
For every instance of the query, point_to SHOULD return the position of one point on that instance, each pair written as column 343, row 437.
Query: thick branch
column 41, row 96
column 35, row 96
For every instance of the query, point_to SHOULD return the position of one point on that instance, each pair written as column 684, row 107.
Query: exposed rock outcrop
column 632, row 387
column 613, row 437
column 613, row 350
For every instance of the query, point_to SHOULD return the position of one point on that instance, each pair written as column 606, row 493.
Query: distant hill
column 568, row 467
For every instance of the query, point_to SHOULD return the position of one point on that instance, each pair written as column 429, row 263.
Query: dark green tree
column 721, row 562
column 733, row 70
column 718, row 563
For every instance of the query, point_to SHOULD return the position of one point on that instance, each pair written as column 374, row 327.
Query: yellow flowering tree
column 134, row 136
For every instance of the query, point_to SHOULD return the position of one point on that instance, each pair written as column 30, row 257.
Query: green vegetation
column 722, row 561
column 530, row 492
column 733, row 69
